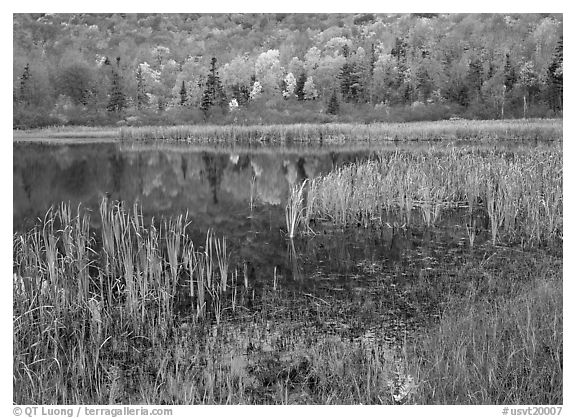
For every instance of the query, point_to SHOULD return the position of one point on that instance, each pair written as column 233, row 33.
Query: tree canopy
column 109, row 67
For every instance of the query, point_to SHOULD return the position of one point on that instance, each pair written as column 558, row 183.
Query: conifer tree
column 509, row 74
column 141, row 96
column 25, row 95
column 333, row 104
column 183, row 94
column 213, row 93
column 555, row 78
column 117, row 101
column 349, row 82
column 349, row 77
column 299, row 90
column 371, row 66
column 474, row 78
column 399, row 52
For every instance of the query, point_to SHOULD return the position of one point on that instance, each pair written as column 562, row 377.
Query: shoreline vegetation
column 331, row 133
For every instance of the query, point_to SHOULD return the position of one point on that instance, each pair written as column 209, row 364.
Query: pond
column 372, row 288
column 240, row 195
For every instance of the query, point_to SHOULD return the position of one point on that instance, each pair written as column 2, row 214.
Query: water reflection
column 210, row 185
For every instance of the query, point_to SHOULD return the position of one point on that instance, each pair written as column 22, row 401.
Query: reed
column 294, row 262
column 295, row 208
column 335, row 133
column 520, row 192
column 76, row 297
column 471, row 231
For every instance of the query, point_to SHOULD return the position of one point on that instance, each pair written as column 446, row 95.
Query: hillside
column 135, row 69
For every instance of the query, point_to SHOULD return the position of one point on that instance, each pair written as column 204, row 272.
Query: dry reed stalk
column 294, row 208
column 223, row 259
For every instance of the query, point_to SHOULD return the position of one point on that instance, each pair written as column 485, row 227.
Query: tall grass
column 75, row 299
column 520, row 192
column 532, row 129
column 509, row 352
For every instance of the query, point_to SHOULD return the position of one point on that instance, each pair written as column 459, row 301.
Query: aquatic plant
column 520, row 192
column 294, row 208
column 65, row 282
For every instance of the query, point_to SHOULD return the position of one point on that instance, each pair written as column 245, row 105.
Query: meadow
column 455, row 298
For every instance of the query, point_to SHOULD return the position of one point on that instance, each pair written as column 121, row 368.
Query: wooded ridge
column 143, row 69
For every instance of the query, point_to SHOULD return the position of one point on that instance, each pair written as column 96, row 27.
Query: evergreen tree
column 491, row 70
column 350, row 82
column 399, row 52
column 25, row 93
column 141, row 96
column 117, row 100
column 371, row 66
column 372, row 60
column 399, row 49
column 183, row 94
column 474, row 78
column 424, row 83
column 555, row 79
column 299, row 90
column 333, row 104
column 213, row 93
column 349, row 78
column 509, row 74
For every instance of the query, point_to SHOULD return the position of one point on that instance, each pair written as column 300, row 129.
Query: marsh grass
column 508, row 352
column 74, row 298
column 520, row 192
column 332, row 133
column 80, row 337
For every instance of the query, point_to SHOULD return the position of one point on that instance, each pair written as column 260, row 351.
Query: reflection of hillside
column 211, row 186
column 270, row 182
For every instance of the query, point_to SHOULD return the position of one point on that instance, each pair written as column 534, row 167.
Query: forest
column 169, row 69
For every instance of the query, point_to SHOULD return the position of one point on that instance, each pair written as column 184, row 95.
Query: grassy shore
column 336, row 133
column 138, row 313
column 530, row 129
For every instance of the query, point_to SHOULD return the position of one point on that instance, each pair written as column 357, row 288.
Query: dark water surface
column 215, row 187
